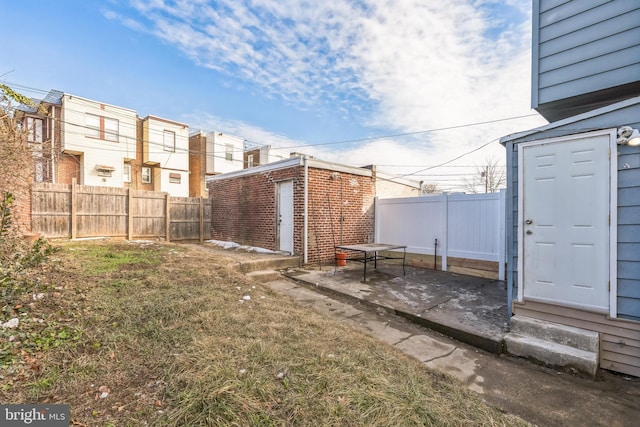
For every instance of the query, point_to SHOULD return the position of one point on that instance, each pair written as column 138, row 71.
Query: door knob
column 529, row 222
column 529, row 232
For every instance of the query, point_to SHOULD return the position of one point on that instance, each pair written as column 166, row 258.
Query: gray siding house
column 585, row 54
column 573, row 191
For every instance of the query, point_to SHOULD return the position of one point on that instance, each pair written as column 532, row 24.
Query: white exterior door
column 564, row 226
column 285, row 216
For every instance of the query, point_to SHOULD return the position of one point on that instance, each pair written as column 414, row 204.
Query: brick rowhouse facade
column 245, row 208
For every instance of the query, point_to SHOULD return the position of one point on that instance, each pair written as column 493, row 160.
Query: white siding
column 172, row 157
column 216, row 145
column 269, row 154
column 78, row 138
column 154, row 144
column 169, row 184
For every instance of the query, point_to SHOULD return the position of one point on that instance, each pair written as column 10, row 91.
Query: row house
column 105, row 145
column 162, row 160
column 262, row 155
column 212, row 153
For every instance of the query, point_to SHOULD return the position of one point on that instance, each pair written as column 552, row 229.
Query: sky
column 423, row 89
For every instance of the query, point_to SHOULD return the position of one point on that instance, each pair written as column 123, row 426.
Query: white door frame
column 279, row 209
column 613, row 203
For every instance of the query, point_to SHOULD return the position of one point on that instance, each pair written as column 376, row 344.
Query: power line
column 374, row 138
column 128, row 116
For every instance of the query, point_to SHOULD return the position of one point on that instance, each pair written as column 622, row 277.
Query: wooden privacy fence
column 466, row 226
column 71, row 210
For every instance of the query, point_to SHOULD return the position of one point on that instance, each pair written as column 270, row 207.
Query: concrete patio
column 470, row 309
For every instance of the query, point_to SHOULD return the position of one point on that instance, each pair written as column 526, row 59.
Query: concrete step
column 552, row 354
column 271, row 263
column 560, row 334
column 263, row 275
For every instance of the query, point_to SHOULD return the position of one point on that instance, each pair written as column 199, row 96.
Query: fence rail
column 71, row 210
column 469, row 226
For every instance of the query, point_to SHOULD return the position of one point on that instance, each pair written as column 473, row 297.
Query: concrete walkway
column 395, row 309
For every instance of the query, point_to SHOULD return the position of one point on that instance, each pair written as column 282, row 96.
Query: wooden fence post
column 168, row 217
column 201, row 219
column 74, row 202
column 129, row 214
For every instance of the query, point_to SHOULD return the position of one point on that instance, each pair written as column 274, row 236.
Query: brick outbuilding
column 300, row 205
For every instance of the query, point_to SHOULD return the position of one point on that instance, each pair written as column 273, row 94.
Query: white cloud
column 404, row 65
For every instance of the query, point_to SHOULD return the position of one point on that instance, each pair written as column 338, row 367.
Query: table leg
column 364, row 276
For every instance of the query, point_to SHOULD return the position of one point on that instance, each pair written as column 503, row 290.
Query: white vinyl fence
column 465, row 225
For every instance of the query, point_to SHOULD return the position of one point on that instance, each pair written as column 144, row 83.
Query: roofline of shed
column 294, row 161
column 584, row 116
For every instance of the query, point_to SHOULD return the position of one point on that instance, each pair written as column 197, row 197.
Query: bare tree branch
column 488, row 178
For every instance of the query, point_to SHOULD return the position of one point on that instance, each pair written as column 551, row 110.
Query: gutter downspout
column 305, row 236
column 53, row 144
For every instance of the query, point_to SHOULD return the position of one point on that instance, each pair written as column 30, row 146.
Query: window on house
column 169, row 141
column 34, row 129
column 250, row 161
column 126, row 172
column 228, row 152
column 146, row 175
column 111, row 129
column 39, row 167
column 92, row 123
column 102, row 127
column 175, row 178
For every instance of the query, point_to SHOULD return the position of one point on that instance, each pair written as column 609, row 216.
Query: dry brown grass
column 166, row 333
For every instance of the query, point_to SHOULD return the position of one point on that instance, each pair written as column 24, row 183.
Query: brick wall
column 355, row 194
column 21, row 209
column 244, row 210
column 68, row 167
column 256, row 157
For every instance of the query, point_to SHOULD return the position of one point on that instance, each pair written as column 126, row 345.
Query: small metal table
column 370, row 253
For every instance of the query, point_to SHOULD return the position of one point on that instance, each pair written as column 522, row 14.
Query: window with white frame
column 92, row 125
column 102, row 127
column 34, row 129
column 111, row 129
column 146, row 175
column 228, row 152
column 169, row 141
column 126, row 172
column 250, row 160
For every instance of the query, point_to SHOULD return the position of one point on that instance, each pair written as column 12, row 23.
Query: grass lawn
column 140, row 333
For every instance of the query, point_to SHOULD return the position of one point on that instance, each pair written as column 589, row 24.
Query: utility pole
column 485, row 174
column 486, row 179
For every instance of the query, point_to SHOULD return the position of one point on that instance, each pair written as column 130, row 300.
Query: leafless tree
column 15, row 161
column 430, row 188
column 488, row 178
